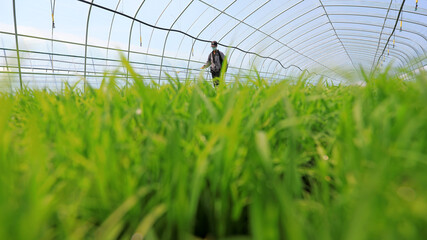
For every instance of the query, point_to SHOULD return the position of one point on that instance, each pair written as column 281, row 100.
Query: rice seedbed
column 248, row 160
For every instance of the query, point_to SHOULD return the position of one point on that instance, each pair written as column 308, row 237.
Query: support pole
column 87, row 34
column 17, row 47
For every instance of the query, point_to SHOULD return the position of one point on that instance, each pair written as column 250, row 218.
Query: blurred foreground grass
column 290, row 160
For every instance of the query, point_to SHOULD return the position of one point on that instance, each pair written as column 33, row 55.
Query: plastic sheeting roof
column 281, row 38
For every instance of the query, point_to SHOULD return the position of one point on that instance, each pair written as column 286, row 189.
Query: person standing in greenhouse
column 215, row 61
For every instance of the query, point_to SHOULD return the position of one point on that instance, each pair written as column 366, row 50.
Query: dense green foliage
column 252, row 160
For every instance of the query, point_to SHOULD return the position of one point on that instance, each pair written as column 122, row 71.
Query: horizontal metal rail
column 134, row 63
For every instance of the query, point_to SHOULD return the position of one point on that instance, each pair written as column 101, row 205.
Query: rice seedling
column 249, row 160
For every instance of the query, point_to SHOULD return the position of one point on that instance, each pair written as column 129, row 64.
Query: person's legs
column 215, row 78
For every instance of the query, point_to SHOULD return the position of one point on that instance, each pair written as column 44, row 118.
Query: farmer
column 215, row 60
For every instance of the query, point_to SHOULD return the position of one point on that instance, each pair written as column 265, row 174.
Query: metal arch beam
column 288, row 23
column 368, row 37
column 381, row 34
column 262, row 65
column 281, row 26
column 290, row 31
column 130, row 38
column 340, row 29
column 250, row 14
column 333, row 28
column 319, row 41
column 348, row 23
column 375, row 16
column 333, row 43
column 275, row 67
column 400, row 53
column 262, row 33
column 87, row 33
column 315, row 73
column 305, row 23
column 242, row 21
column 152, row 31
column 283, row 44
column 157, row 21
column 111, row 28
column 360, row 55
column 286, row 44
column 328, row 30
column 167, row 36
column 329, row 48
column 395, row 49
column 16, row 42
column 299, row 56
column 397, row 55
column 374, row 25
column 224, row 13
column 194, row 22
column 355, row 52
column 369, row 43
column 359, row 30
column 259, row 28
column 268, row 68
column 303, row 35
column 388, row 39
column 192, row 46
column 231, row 17
column 374, row 7
column 102, row 7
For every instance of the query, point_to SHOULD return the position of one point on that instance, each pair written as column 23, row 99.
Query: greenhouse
column 68, row 40
column 203, row 119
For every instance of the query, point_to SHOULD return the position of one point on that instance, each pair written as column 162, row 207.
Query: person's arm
column 208, row 63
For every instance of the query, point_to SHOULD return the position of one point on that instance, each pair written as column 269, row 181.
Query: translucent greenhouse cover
column 67, row 40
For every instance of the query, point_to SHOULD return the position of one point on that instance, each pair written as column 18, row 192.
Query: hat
column 214, row 43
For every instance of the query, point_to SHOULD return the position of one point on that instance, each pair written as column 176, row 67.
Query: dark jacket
column 215, row 60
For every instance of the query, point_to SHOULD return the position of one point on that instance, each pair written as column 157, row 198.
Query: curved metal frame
column 130, row 37
column 283, row 44
column 381, row 34
column 16, row 42
column 316, row 36
column 111, row 27
column 198, row 35
column 311, row 21
column 317, row 46
column 183, row 37
column 289, row 56
column 87, row 33
column 166, row 39
column 333, row 28
column 333, row 41
column 259, row 31
column 157, row 21
column 259, row 28
column 330, row 51
column 350, row 23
